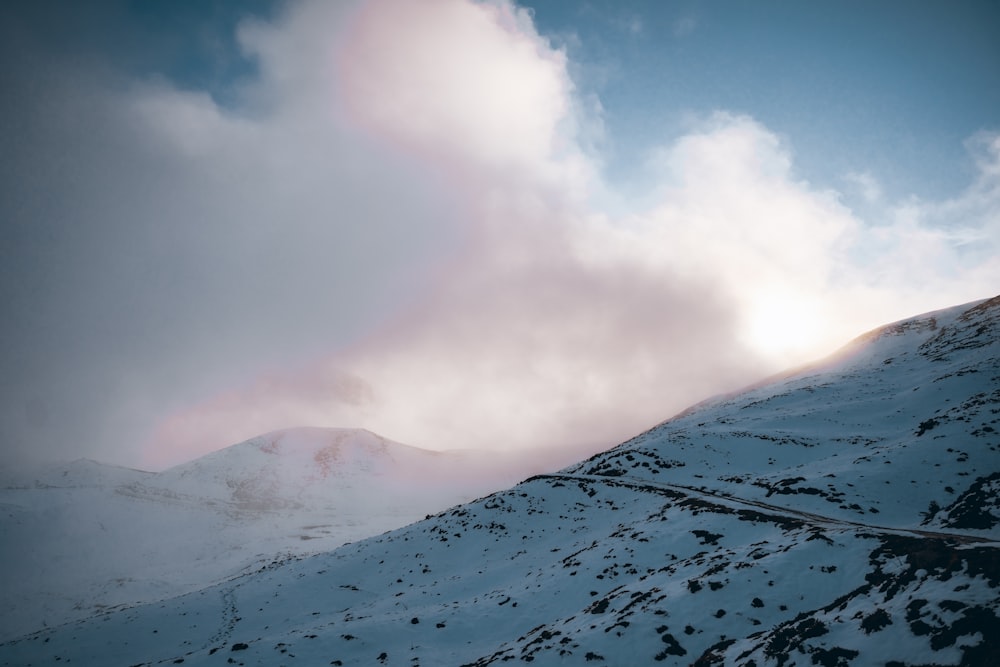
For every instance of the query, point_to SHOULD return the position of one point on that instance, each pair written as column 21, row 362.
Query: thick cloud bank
column 400, row 224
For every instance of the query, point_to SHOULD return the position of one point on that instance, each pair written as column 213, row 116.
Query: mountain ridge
column 84, row 537
column 805, row 522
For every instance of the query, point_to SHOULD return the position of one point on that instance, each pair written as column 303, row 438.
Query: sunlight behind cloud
column 786, row 327
column 559, row 325
column 396, row 223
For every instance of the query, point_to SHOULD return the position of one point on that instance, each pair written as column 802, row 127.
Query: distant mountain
column 845, row 514
column 353, row 473
column 84, row 537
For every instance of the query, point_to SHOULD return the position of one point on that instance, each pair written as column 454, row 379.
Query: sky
column 537, row 228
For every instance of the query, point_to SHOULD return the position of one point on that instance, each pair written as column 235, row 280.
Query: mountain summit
column 845, row 514
column 84, row 537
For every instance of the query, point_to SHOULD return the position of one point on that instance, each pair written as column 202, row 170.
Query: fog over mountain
column 85, row 537
column 463, row 223
column 845, row 513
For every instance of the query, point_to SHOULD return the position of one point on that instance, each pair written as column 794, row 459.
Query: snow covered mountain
column 84, row 537
column 844, row 514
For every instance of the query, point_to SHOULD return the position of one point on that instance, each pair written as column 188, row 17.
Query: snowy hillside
column 83, row 537
column 845, row 514
column 903, row 419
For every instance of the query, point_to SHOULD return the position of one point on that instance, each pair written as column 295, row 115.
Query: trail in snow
column 725, row 500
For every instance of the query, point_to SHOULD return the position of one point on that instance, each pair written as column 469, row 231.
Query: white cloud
column 866, row 184
column 256, row 247
column 459, row 78
column 560, row 326
column 163, row 248
column 531, row 337
column 945, row 249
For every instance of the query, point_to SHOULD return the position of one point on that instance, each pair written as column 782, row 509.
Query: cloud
column 866, row 184
column 397, row 225
column 559, row 325
column 946, row 247
column 456, row 78
column 160, row 248
column 536, row 334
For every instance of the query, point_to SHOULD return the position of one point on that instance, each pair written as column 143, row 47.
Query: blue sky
column 891, row 88
column 463, row 224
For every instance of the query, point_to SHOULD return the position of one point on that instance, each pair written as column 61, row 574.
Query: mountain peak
column 112, row 536
column 981, row 314
column 845, row 514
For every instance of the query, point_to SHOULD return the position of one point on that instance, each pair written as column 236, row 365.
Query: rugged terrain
column 85, row 537
column 843, row 514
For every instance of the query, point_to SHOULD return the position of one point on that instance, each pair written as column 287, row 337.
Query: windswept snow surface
column 842, row 515
column 84, row 537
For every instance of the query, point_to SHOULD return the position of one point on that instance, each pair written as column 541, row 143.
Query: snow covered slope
column 901, row 421
column 842, row 515
column 84, row 537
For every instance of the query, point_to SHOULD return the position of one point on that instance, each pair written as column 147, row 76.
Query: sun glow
column 785, row 327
